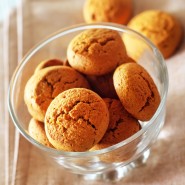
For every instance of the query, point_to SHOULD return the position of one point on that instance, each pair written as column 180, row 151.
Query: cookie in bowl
column 96, row 51
column 46, row 84
column 76, row 120
column 122, row 125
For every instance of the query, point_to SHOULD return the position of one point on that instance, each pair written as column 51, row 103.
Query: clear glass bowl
column 111, row 163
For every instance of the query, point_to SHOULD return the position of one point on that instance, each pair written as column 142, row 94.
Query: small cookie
column 37, row 131
column 96, row 51
column 160, row 27
column 122, row 125
column 76, row 120
column 103, row 85
column 45, row 85
column 136, row 90
column 117, row 11
column 49, row 63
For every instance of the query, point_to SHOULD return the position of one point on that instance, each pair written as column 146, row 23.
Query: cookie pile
column 94, row 100
column 160, row 27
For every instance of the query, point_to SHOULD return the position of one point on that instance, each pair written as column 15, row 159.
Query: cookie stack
column 72, row 111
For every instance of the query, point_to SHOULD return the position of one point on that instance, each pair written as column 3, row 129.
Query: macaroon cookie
column 76, row 120
column 117, row 11
column 136, row 90
column 96, row 51
column 103, row 85
column 46, row 84
column 122, row 125
column 37, row 131
column 163, row 29
column 48, row 63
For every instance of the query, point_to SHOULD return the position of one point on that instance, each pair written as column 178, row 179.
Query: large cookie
column 76, row 120
column 96, row 51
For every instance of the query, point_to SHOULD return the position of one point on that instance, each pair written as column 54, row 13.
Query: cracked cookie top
column 96, row 51
column 136, row 90
column 121, row 125
column 76, row 120
column 46, row 84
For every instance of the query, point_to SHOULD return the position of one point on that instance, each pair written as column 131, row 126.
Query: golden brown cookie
column 45, row 85
column 160, row 27
column 117, row 11
column 103, row 85
column 37, row 131
column 76, row 120
column 122, row 125
column 96, row 51
column 136, row 90
column 49, row 63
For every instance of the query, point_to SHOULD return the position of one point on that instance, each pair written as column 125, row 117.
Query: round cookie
column 49, row 63
column 117, row 11
column 160, row 27
column 37, row 131
column 76, row 120
column 136, row 90
column 122, row 125
column 45, row 85
column 96, row 51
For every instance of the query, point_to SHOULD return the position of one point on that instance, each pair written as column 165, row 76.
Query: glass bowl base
column 118, row 173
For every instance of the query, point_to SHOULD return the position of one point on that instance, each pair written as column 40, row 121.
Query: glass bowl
column 111, row 163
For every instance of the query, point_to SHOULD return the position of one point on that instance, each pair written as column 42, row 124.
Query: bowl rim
column 68, row 30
